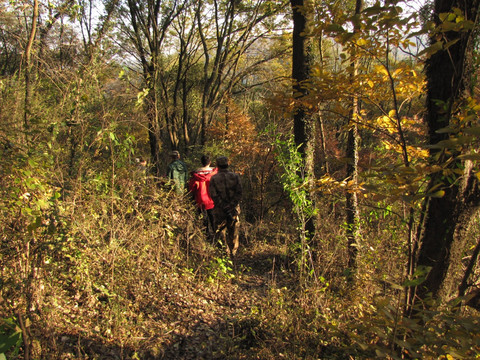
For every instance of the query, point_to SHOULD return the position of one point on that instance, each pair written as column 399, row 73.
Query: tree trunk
column 469, row 271
column 153, row 137
column 303, row 125
column 448, row 77
column 28, row 66
column 351, row 201
column 443, row 240
column 300, row 73
column 323, row 144
column 153, row 32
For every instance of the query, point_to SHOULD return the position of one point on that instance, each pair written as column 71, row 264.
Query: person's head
column 175, row 155
column 205, row 160
column 222, row 162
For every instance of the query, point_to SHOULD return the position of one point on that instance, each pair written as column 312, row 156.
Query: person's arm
column 192, row 185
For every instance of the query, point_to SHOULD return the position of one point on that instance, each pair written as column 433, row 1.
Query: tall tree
column 351, row 201
column 303, row 124
column 228, row 30
column 449, row 77
column 150, row 21
column 193, row 56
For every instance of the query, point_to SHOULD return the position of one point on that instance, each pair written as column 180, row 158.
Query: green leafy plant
column 220, row 268
column 440, row 334
column 296, row 185
column 10, row 338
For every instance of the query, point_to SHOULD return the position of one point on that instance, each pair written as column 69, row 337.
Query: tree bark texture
column 303, row 124
column 351, row 201
column 448, row 78
column 149, row 27
column 300, row 73
column 28, row 65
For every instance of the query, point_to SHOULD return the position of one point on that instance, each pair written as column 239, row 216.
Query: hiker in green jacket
column 177, row 172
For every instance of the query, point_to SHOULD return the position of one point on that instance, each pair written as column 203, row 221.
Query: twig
column 25, row 336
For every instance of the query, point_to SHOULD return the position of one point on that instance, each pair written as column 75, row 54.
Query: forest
column 353, row 125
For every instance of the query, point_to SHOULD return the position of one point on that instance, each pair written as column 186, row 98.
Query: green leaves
column 220, row 268
column 294, row 181
column 453, row 21
column 10, row 337
column 418, row 277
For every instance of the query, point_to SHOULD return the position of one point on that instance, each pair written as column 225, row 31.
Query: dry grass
column 129, row 274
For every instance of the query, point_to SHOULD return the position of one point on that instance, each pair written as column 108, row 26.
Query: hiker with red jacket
column 198, row 186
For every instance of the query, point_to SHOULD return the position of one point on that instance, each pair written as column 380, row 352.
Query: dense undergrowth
column 101, row 260
column 95, row 271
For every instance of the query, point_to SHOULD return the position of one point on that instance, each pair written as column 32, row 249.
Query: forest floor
column 224, row 320
column 221, row 321
column 215, row 318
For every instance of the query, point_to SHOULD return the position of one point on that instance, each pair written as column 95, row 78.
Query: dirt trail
column 223, row 322
column 191, row 318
